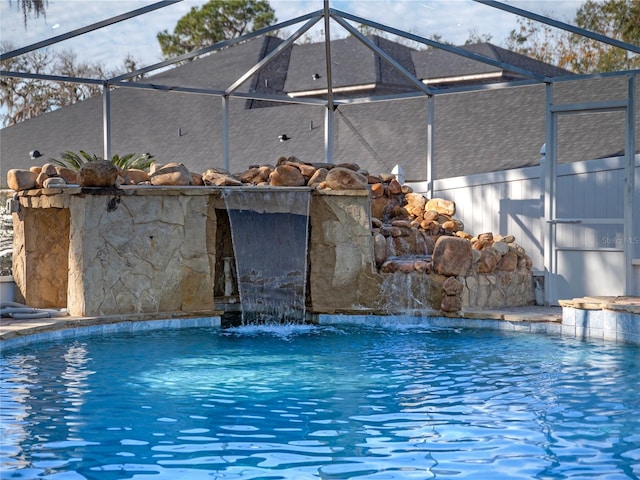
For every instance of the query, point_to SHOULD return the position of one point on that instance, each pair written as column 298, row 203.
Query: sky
column 452, row 20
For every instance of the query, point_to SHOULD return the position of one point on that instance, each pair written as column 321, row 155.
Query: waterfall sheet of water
column 269, row 231
column 405, row 294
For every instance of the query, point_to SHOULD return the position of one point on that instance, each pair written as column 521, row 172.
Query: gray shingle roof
column 475, row 132
column 353, row 63
column 438, row 64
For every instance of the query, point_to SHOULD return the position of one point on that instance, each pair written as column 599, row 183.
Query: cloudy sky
column 453, row 20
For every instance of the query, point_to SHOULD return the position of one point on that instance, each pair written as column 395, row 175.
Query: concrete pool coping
column 14, row 332
column 606, row 318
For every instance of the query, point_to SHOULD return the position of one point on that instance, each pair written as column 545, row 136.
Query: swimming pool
column 328, row 402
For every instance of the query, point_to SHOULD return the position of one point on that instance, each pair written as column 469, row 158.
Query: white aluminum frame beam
column 89, row 28
column 564, row 26
column 441, row 46
column 329, row 119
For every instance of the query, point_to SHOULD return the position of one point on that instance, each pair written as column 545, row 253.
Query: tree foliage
column 618, row 19
column 213, row 22
column 32, row 7
column 26, row 98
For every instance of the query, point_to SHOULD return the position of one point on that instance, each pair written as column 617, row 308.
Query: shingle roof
column 474, row 132
column 440, row 64
column 516, row 59
column 220, row 69
column 353, row 63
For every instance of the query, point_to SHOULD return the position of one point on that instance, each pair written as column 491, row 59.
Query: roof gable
column 439, row 65
column 221, row 68
column 353, row 65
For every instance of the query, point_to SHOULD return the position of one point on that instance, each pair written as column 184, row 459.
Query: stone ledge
column 516, row 314
column 618, row 304
column 340, row 193
column 13, row 328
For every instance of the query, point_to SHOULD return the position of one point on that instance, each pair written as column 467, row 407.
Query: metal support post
column 548, row 172
column 431, row 105
column 225, row 133
column 629, row 232
column 106, row 121
column 329, row 132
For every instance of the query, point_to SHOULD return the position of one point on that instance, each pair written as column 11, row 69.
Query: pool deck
column 606, row 318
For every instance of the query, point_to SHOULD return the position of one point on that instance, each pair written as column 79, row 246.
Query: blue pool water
column 325, row 402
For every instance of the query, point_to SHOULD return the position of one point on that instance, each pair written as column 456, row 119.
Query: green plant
column 73, row 160
column 131, row 160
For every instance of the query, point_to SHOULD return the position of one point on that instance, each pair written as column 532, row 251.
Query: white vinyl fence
column 511, row 202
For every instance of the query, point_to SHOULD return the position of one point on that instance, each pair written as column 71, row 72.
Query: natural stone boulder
column 488, row 260
column 42, row 176
column 452, row 256
column 415, row 204
column 406, row 266
column 219, row 179
column 451, row 303
column 486, row 237
column 518, row 249
column 196, row 179
column 255, row 175
column 307, row 171
column 452, row 286
column 390, row 266
column 350, row 166
column 441, row 205
column 98, row 173
column 134, row 176
column 508, row 262
column 377, row 190
column 431, row 227
column 175, row 174
column 379, row 249
column 18, row 179
column 394, row 187
column 340, row 178
column 430, row 215
column 500, row 247
column 53, row 182
column 504, row 238
column 422, row 266
column 286, row 176
column 50, row 170
column 525, row 264
column 70, row 176
column 402, row 223
column 318, row 177
column 453, row 225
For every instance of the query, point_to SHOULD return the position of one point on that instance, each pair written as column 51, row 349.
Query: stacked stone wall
column 375, row 246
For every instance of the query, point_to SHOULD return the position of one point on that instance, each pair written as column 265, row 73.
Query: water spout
column 269, row 231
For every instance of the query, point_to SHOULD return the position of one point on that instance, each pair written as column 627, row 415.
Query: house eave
column 474, row 77
column 324, row 91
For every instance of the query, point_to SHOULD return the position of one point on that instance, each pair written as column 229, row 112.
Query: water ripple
column 311, row 403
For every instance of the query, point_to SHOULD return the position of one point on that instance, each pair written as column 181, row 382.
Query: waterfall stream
column 269, row 231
